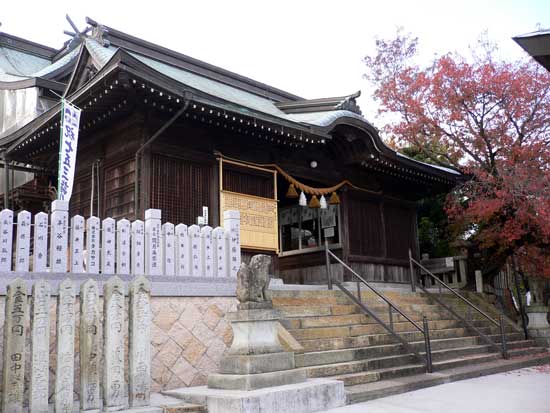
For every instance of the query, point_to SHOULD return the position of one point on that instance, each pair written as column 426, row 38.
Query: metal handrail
column 379, row 294
column 455, row 293
column 504, row 349
column 425, row 331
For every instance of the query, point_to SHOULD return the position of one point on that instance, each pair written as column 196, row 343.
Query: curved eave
column 387, row 157
column 320, row 126
column 33, row 82
column 124, row 62
column 13, row 140
column 141, row 70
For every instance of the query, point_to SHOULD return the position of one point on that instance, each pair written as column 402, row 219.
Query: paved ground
column 526, row 390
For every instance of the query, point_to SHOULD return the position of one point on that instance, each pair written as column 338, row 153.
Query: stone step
column 465, row 360
column 525, row 351
column 362, row 319
column 303, row 313
column 325, row 321
column 374, row 375
column 439, row 359
column 434, row 307
column 355, row 379
column 291, row 311
column 307, row 311
column 315, row 301
column 316, row 358
column 357, row 366
column 403, row 326
column 342, row 342
column 363, row 392
column 351, row 330
column 304, row 293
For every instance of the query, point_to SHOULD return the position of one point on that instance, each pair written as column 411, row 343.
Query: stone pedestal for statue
column 256, row 358
column 538, row 327
column 256, row 374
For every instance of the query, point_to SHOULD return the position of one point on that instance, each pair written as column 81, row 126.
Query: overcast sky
column 310, row 48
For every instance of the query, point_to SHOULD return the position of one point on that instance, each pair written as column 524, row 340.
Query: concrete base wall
column 314, row 395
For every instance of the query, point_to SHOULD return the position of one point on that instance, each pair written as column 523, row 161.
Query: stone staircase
column 341, row 342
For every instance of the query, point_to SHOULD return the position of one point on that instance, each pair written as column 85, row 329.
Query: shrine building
column 163, row 130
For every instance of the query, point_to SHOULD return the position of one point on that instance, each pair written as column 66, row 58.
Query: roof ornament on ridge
column 99, row 32
column 350, row 103
column 322, row 105
column 77, row 35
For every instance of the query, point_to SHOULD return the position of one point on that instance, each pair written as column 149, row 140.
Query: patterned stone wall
column 188, row 337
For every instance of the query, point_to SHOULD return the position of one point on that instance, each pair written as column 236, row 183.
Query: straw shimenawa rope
column 310, row 190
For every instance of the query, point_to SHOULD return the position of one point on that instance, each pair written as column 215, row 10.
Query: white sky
column 309, row 48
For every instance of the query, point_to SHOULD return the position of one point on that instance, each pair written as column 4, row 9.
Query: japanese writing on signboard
column 70, row 120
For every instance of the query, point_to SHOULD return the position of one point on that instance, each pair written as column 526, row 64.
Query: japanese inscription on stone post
column 40, row 256
column 90, row 349
column 6, row 230
column 113, row 344
column 140, row 342
column 14, row 347
column 64, row 372
column 40, row 347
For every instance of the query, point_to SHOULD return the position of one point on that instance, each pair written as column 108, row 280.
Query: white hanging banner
column 70, row 120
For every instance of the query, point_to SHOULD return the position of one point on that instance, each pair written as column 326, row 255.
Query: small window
column 305, row 229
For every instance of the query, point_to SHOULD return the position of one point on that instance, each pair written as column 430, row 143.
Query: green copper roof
column 20, row 64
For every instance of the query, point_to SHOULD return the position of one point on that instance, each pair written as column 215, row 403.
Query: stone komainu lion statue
column 253, row 280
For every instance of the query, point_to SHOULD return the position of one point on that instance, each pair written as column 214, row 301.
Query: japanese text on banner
column 70, row 120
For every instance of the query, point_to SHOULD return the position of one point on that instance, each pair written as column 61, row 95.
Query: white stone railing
column 102, row 347
column 91, row 246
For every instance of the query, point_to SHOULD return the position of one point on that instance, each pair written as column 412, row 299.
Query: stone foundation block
column 315, row 395
column 261, row 363
column 256, row 381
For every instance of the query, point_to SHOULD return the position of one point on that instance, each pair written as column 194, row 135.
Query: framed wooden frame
column 259, row 215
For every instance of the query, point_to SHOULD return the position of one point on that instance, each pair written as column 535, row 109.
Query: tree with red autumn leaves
column 487, row 118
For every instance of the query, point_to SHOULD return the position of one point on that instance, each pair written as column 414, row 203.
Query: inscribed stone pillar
column 206, row 251
column 40, row 348
column 196, row 256
column 138, row 264
column 92, row 245
column 113, row 345
column 59, row 236
column 14, row 347
column 219, row 250
column 64, row 370
column 168, row 249
column 77, row 244
column 479, row 281
column 108, row 246
column 182, row 250
column 232, row 223
column 123, row 247
column 40, row 250
column 140, row 343
column 90, row 347
column 6, row 231
column 23, row 241
column 153, row 264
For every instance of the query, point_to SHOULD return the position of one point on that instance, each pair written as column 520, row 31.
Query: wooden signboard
column 259, row 227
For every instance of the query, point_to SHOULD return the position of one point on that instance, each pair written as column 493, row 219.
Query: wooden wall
column 377, row 233
column 115, row 149
column 180, row 174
